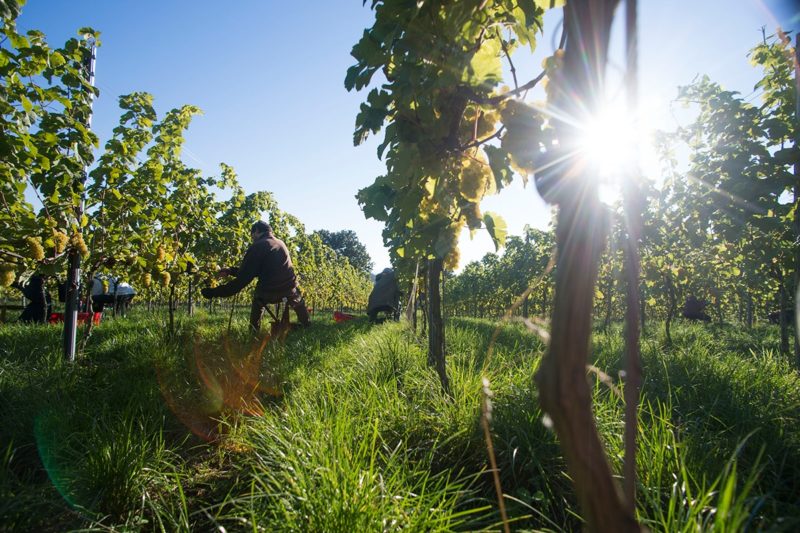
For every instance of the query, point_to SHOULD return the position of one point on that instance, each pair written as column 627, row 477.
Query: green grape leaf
column 497, row 228
column 56, row 60
column 485, row 66
column 500, row 165
column 26, row 104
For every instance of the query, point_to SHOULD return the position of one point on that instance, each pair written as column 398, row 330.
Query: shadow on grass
column 54, row 410
column 719, row 401
column 724, row 386
column 509, row 341
column 529, row 459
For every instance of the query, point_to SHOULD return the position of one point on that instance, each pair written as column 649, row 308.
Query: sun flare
column 609, row 141
column 618, row 144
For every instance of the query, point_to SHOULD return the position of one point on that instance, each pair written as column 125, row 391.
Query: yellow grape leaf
column 430, row 186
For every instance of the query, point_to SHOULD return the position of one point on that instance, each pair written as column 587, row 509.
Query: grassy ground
column 344, row 428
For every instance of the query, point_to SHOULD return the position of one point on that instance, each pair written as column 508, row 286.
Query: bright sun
column 616, row 143
column 608, row 141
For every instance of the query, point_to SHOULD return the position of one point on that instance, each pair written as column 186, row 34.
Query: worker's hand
column 223, row 273
column 206, row 292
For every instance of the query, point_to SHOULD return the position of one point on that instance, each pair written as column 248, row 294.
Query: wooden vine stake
column 633, row 205
column 436, row 353
column 564, row 391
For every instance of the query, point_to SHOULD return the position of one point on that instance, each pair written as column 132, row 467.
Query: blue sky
column 268, row 76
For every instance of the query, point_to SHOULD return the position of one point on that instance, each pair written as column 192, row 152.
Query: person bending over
column 39, row 302
column 385, row 296
column 267, row 259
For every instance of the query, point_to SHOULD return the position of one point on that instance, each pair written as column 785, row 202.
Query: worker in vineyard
column 267, row 259
column 113, row 292
column 39, row 302
column 385, row 296
column 694, row 309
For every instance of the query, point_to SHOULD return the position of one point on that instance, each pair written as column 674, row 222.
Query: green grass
column 344, row 428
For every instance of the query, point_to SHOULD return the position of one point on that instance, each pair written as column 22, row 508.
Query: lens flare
column 618, row 145
column 609, row 142
column 221, row 380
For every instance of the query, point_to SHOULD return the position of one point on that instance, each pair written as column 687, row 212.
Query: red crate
column 83, row 318
column 341, row 317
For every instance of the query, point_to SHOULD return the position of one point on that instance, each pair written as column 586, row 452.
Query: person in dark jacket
column 694, row 309
column 267, row 259
column 39, row 302
column 385, row 296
